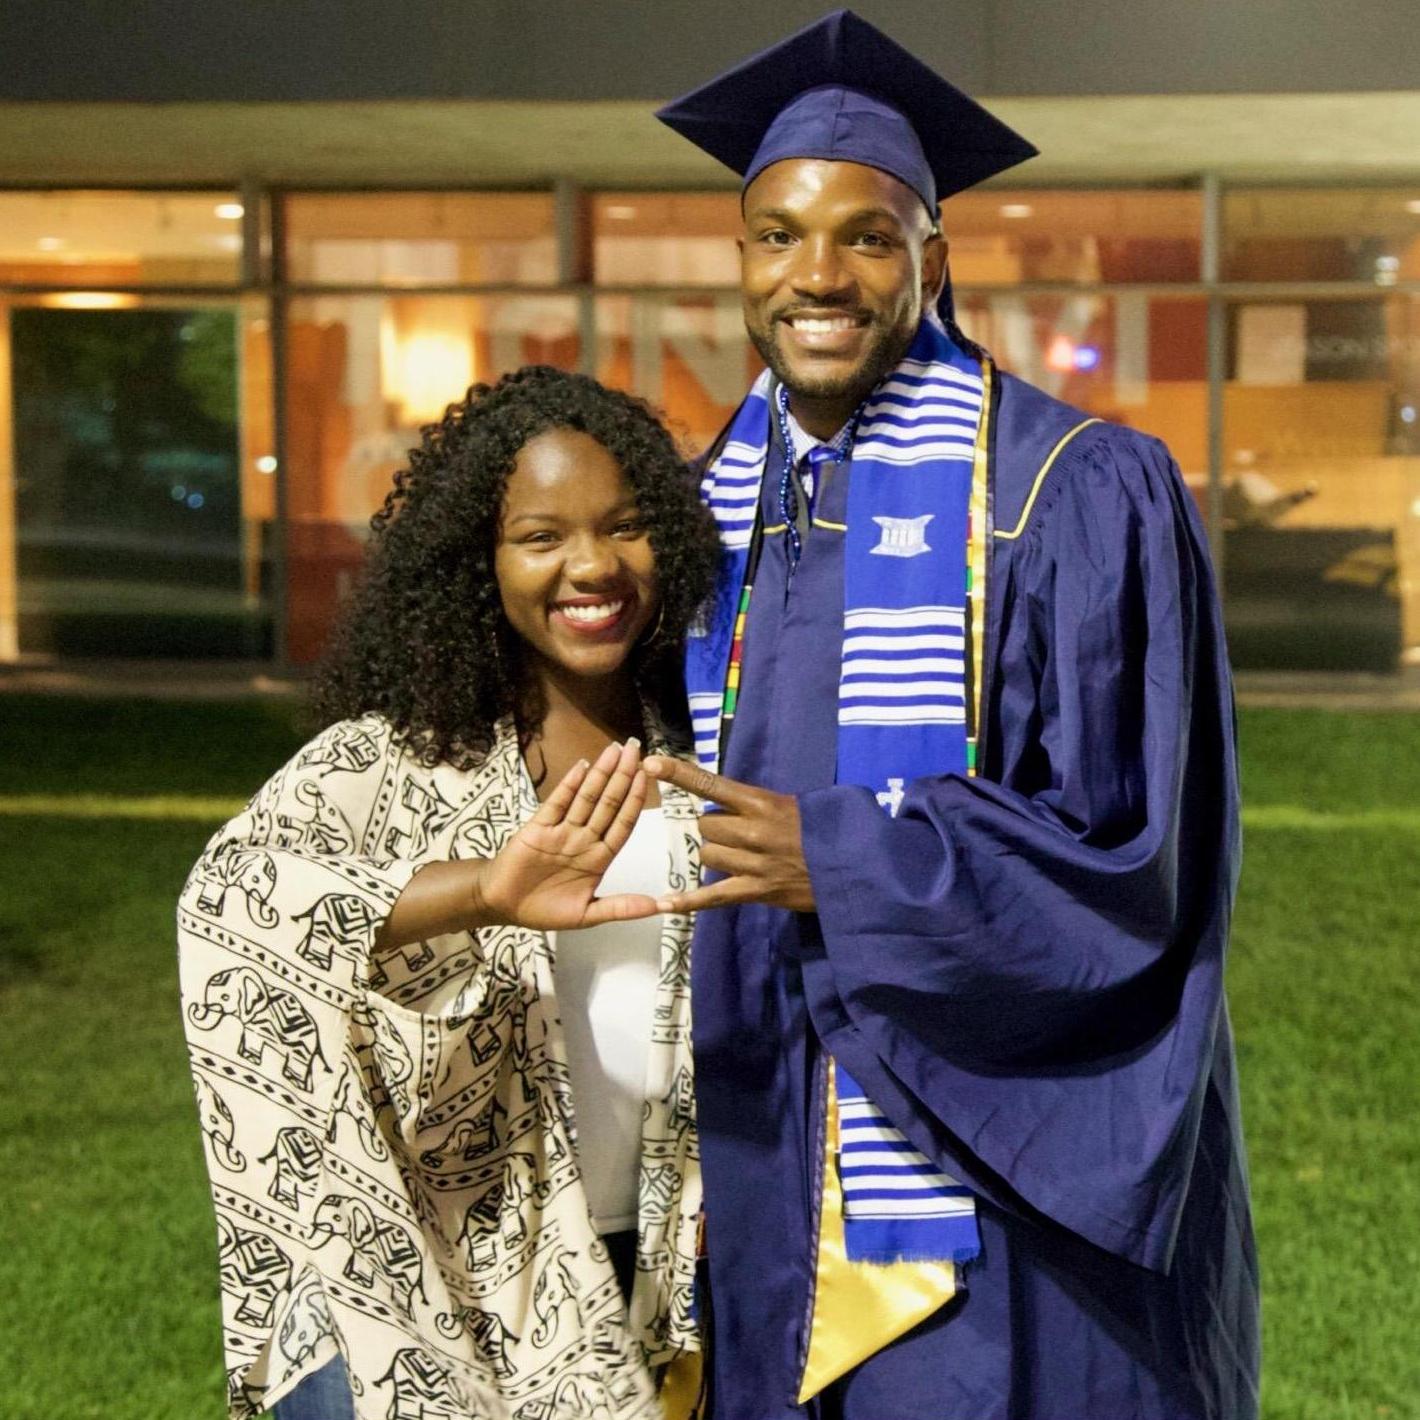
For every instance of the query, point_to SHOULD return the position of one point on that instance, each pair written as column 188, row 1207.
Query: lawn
column 107, row 1258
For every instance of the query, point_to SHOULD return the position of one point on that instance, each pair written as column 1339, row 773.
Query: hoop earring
column 654, row 638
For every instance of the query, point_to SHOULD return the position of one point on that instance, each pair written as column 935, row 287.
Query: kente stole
column 893, row 1226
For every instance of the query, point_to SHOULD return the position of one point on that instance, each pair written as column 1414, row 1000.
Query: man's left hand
column 754, row 840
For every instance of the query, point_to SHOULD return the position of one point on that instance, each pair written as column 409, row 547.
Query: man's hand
column 754, row 840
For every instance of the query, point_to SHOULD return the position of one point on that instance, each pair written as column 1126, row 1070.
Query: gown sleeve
column 1033, row 958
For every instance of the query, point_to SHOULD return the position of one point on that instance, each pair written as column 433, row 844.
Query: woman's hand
column 547, row 875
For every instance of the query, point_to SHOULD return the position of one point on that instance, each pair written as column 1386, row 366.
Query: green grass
column 108, row 1298
column 108, row 1304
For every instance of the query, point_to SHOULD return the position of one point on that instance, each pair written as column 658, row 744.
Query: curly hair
column 423, row 640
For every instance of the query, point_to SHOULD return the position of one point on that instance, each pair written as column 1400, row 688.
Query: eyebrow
column 861, row 214
column 626, row 504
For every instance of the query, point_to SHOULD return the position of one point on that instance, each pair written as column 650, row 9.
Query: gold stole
column 860, row 1306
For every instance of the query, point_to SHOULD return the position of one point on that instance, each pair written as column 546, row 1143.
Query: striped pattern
column 705, row 726
column 925, row 411
column 903, row 665
column 883, row 1176
column 731, row 489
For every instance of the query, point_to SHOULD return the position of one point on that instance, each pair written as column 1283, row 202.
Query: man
column 966, row 1097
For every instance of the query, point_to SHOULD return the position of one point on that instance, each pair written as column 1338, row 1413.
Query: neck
column 609, row 705
column 822, row 418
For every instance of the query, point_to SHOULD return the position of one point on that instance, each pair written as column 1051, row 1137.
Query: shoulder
column 355, row 755
column 1050, row 456
column 354, row 743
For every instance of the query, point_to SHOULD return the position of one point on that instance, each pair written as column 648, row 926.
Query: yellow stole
column 860, row 1306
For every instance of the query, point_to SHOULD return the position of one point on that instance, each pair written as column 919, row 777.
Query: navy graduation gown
column 1024, row 970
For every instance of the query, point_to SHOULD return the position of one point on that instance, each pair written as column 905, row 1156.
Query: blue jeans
column 322, row 1395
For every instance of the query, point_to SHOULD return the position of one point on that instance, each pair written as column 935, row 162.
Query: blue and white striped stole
column 901, row 701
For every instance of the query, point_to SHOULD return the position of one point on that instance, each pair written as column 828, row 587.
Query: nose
column 818, row 271
column 592, row 560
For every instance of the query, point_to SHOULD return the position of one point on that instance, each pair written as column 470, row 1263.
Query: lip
column 825, row 332
column 604, row 630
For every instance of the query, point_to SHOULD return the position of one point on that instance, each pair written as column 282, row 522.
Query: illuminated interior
column 389, row 305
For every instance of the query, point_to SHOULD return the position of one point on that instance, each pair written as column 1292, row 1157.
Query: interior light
column 620, row 213
column 50, row 243
column 266, row 464
column 230, row 211
column 431, row 366
column 1061, row 354
column 1087, row 357
column 1016, row 209
column 1413, row 206
column 89, row 301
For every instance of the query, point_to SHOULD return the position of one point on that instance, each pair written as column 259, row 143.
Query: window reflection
column 141, row 516
column 99, row 239
column 666, row 238
column 1002, row 237
column 688, row 355
column 420, row 238
column 1321, row 483
column 1323, row 234
column 1138, row 359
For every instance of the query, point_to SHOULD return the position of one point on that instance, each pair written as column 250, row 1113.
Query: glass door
column 139, row 527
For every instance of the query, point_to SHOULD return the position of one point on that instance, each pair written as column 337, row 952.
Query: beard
column 889, row 345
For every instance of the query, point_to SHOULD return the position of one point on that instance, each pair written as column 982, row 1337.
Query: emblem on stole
column 903, row 537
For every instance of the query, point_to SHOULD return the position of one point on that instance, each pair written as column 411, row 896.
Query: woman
column 445, row 1086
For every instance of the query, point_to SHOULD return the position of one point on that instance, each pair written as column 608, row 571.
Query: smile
column 592, row 616
column 825, row 325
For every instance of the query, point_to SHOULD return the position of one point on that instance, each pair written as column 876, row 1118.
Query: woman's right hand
column 547, row 875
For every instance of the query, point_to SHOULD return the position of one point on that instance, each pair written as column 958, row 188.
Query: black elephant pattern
column 268, row 1018
column 394, row 1174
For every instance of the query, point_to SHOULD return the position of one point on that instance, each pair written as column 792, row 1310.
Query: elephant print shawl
column 390, row 1139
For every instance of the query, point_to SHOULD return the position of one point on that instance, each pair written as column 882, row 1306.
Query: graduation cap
column 843, row 90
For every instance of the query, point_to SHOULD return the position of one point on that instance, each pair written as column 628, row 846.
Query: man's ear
column 934, row 268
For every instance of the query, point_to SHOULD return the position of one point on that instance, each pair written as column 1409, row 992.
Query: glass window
column 142, row 494
column 1135, row 358
column 1322, row 234
column 688, row 355
column 1321, row 483
column 421, row 238
column 666, row 238
column 1002, row 237
column 100, row 239
column 363, row 374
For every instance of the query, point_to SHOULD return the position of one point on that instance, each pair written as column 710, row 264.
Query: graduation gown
column 1024, row 970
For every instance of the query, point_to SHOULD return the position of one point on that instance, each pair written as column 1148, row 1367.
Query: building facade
column 241, row 266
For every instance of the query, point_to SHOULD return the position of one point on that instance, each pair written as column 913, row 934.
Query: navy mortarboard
column 841, row 89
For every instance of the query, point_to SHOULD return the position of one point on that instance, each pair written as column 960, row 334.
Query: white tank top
column 606, row 991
